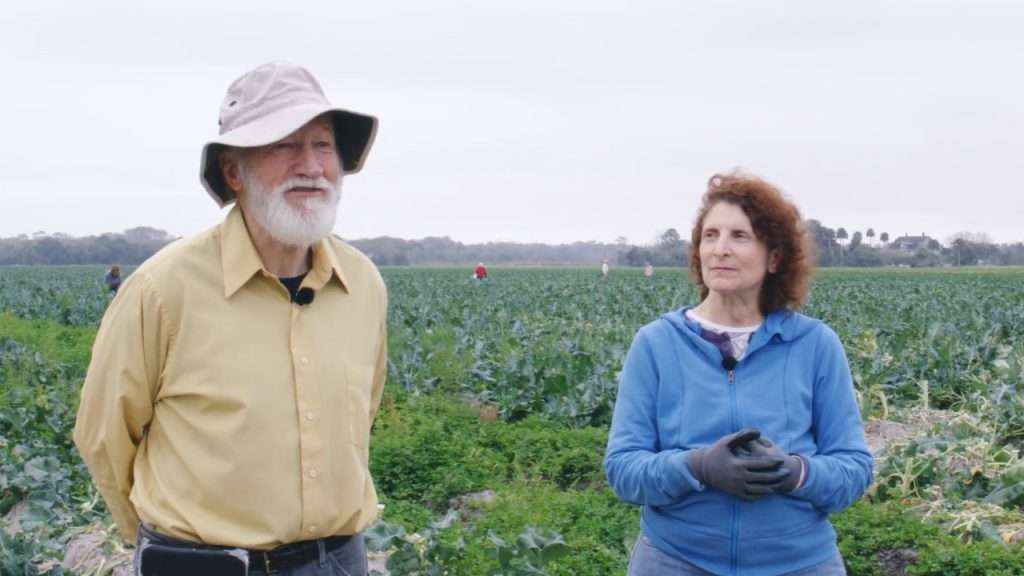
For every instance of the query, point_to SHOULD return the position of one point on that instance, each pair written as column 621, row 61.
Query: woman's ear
column 773, row 261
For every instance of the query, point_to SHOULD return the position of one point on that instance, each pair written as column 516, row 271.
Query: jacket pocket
column 776, row 516
column 706, row 513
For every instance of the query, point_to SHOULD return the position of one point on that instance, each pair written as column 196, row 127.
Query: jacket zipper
column 734, row 539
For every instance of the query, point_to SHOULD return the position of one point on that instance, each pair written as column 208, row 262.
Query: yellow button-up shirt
column 215, row 410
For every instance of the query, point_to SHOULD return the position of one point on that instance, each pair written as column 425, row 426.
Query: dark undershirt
column 292, row 284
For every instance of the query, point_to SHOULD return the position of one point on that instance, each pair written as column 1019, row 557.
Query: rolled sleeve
column 381, row 368
column 116, row 402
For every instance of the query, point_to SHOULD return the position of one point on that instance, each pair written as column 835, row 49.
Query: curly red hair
column 776, row 222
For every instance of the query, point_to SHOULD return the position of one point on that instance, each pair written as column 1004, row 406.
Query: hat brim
column 353, row 133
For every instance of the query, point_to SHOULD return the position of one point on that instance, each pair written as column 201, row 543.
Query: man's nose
column 310, row 164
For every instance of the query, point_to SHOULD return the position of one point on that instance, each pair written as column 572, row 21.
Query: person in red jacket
column 480, row 272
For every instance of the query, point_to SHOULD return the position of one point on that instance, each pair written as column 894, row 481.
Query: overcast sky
column 543, row 120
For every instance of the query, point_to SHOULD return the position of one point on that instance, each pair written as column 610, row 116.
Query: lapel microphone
column 304, row 296
column 728, row 363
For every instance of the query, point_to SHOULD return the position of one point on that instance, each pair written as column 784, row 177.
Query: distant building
column 914, row 243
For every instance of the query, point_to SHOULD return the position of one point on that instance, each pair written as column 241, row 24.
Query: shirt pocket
column 359, row 385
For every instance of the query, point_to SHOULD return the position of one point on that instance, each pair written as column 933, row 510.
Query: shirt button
column 313, row 473
column 312, row 528
column 305, row 360
column 309, row 415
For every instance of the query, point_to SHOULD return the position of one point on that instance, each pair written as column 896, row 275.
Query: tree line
column 669, row 250
column 833, row 247
column 836, row 247
column 126, row 248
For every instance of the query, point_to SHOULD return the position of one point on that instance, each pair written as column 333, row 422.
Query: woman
column 736, row 427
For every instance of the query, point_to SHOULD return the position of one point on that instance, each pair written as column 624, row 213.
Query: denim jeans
column 646, row 560
column 348, row 559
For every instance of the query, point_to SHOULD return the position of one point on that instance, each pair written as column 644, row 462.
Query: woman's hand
column 761, row 448
column 747, row 477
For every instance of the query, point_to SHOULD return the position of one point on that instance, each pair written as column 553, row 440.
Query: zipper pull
column 729, row 363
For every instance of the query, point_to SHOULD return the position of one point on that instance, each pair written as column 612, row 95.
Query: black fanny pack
column 161, row 555
column 157, row 559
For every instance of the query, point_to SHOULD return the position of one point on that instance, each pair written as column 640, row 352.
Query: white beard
column 302, row 226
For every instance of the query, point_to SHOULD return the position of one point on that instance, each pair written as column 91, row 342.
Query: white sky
column 533, row 120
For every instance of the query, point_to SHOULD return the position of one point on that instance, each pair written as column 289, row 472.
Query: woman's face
column 733, row 261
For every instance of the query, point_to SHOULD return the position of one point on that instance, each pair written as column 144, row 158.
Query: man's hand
column 760, row 448
column 745, row 477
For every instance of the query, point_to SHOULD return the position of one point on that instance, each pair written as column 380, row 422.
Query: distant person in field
column 604, row 268
column 480, row 272
column 113, row 278
column 227, row 409
column 736, row 427
column 648, row 270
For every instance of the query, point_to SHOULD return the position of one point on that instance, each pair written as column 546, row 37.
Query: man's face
column 291, row 188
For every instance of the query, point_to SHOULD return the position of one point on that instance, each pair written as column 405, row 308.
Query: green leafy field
column 488, row 448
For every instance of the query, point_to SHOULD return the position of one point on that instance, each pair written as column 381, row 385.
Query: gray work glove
column 764, row 448
column 745, row 477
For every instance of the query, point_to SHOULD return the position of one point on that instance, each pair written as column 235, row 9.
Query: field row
column 538, row 351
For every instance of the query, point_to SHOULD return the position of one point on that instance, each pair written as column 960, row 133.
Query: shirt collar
column 326, row 265
column 240, row 261
column 777, row 323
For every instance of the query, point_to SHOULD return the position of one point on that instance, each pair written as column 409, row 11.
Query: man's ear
column 231, row 171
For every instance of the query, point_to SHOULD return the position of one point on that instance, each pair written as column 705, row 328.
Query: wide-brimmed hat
column 269, row 103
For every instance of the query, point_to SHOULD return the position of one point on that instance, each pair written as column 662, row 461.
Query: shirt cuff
column 803, row 471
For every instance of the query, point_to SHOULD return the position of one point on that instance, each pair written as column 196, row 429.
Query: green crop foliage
column 506, row 387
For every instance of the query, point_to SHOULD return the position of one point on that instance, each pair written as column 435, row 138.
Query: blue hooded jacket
column 674, row 395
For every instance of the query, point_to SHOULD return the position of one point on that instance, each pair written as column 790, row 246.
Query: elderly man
column 226, row 414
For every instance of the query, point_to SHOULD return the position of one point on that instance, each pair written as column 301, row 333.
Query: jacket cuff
column 678, row 477
column 804, row 490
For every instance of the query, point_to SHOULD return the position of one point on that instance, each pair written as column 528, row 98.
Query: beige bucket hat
column 269, row 103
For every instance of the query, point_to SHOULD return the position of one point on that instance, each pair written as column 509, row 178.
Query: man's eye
column 282, row 147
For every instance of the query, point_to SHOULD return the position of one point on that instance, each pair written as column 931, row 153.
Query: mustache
column 321, row 184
